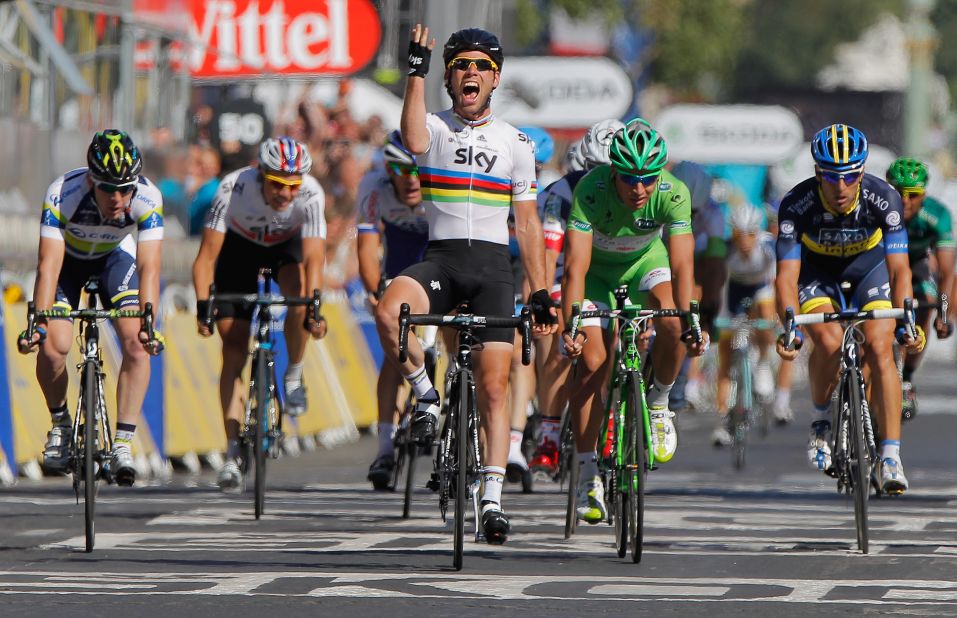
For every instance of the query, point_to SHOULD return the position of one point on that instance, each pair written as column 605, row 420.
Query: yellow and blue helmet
column 839, row 147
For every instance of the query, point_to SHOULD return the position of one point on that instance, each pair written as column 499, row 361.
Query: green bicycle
column 627, row 424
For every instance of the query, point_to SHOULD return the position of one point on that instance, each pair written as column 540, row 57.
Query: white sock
column 386, row 434
column 494, row 478
column 293, row 374
column 421, row 384
column 515, row 445
column 658, row 395
column 783, row 399
column 589, row 465
column 892, row 449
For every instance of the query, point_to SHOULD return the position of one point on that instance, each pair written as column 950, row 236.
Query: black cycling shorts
column 119, row 281
column 237, row 269
column 480, row 273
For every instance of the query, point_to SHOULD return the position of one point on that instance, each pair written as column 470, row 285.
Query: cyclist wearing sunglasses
column 845, row 226
column 265, row 216
column 554, row 207
column 391, row 218
column 86, row 229
column 614, row 238
column 929, row 233
column 474, row 169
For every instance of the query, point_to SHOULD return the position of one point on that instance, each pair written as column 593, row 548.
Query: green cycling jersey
column 929, row 229
column 621, row 235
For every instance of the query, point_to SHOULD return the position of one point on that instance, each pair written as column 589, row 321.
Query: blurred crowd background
column 71, row 67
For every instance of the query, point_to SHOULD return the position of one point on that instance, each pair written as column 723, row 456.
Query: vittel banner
column 250, row 38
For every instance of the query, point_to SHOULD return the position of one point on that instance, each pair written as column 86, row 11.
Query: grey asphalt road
column 775, row 537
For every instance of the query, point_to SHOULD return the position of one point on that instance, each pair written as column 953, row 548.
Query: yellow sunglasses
column 283, row 180
column 462, row 63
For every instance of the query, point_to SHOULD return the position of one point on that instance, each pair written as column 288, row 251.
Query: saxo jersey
column 239, row 207
column 471, row 174
column 70, row 214
column 830, row 241
column 404, row 229
column 621, row 235
column 929, row 229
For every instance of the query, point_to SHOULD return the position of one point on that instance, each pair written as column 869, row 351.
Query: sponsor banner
column 755, row 134
column 567, row 93
column 249, row 38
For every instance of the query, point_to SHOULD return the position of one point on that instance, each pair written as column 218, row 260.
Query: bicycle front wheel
column 569, row 459
column 461, row 472
column 91, row 397
column 408, row 451
column 260, row 429
column 858, row 458
column 740, row 383
column 637, row 468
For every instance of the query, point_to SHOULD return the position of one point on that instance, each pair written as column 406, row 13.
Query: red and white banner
column 248, row 38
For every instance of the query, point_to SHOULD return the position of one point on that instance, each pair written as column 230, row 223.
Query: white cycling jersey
column 70, row 214
column 404, row 228
column 471, row 174
column 239, row 206
column 758, row 268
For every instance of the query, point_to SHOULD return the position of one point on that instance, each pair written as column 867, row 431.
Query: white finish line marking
column 501, row 587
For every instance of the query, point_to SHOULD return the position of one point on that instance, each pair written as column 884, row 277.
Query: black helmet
column 473, row 39
column 113, row 157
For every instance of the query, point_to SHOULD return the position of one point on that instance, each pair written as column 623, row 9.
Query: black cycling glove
column 419, row 57
column 541, row 303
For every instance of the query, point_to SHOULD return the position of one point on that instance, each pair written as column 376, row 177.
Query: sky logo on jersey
column 467, row 156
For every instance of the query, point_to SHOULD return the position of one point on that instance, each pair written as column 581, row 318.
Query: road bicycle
column 458, row 461
column 749, row 409
column 627, row 424
column 91, row 444
column 854, row 450
column 261, row 434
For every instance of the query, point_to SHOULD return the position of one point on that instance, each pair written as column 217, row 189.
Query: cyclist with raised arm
column 554, row 207
column 615, row 238
column 390, row 210
column 930, row 233
column 843, row 226
column 86, row 229
column 264, row 216
column 473, row 167
column 750, row 293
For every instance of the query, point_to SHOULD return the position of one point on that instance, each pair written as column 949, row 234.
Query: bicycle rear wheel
column 90, row 448
column 858, row 458
column 260, row 431
column 461, row 471
column 637, row 467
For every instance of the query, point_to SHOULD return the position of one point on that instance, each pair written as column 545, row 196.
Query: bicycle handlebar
column 905, row 313
column 465, row 321
column 691, row 316
column 145, row 314
column 314, row 302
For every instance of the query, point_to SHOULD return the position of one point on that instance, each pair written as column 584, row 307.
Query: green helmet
column 907, row 173
column 638, row 149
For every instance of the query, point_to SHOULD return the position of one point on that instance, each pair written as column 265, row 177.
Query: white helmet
column 574, row 161
column 746, row 219
column 284, row 155
column 597, row 141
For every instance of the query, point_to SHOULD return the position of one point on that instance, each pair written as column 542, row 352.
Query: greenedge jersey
column 930, row 228
column 619, row 234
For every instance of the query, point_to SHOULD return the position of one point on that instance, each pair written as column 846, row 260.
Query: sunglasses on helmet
column 849, row 178
column 634, row 179
column 109, row 187
column 462, row 64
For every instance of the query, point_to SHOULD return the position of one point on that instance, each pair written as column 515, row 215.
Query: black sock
column 60, row 415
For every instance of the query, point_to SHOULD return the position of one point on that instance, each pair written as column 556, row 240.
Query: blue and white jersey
column 757, row 268
column 405, row 229
column 554, row 206
column 70, row 214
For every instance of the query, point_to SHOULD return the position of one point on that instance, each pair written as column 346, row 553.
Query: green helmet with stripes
column 638, row 149
column 905, row 173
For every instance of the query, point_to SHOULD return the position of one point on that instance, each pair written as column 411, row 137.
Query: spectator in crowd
column 207, row 168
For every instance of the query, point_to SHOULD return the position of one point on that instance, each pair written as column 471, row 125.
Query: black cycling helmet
column 473, row 39
column 113, row 157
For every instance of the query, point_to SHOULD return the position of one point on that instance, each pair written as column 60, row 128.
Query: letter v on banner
column 250, row 38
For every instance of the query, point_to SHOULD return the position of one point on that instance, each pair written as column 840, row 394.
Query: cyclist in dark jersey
column 845, row 226
column 929, row 234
